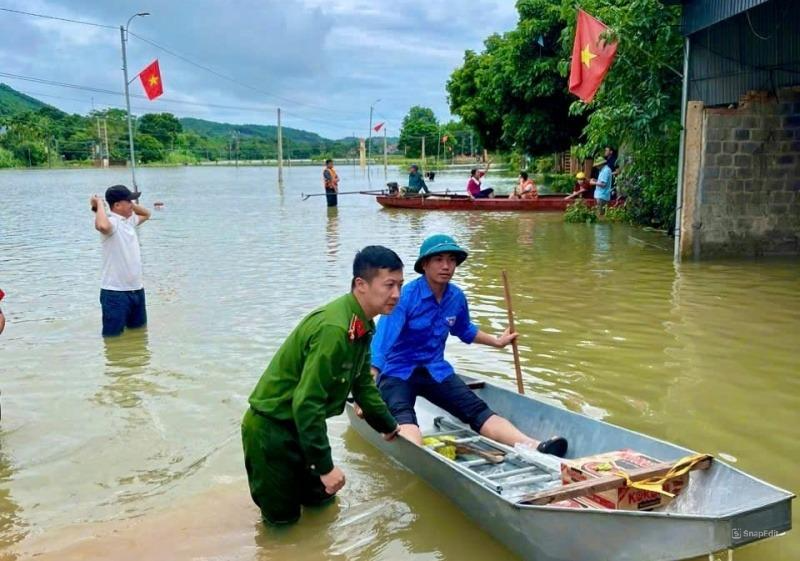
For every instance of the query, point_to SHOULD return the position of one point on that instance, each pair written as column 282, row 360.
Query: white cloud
column 320, row 60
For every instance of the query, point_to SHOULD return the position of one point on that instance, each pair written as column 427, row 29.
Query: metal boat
column 720, row 509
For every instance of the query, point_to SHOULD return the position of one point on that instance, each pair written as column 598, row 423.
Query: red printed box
column 624, row 498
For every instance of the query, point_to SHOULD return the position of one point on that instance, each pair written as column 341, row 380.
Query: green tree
column 420, row 122
column 164, row 127
column 513, row 93
column 148, row 148
column 638, row 105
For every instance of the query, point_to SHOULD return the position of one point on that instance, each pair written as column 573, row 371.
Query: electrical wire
column 45, row 16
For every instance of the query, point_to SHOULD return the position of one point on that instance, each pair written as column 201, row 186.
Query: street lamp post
column 123, row 32
column 369, row 141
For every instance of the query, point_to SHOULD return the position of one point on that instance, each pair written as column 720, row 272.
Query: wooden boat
column 556, row 202
column 720, row 509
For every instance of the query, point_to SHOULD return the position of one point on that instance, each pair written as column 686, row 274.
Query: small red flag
column 151, row 81
column 377, row 127
column 591, row 57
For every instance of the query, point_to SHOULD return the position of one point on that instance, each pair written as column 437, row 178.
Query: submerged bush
column 619, row 214
column 578, row 213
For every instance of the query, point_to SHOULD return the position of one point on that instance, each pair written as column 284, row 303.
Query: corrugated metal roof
column 700, row 14
column 759, row 50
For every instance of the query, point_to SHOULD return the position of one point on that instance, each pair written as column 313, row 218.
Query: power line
column 188, row 61
column 234, row 80
column 44, row 16
column 36, row 80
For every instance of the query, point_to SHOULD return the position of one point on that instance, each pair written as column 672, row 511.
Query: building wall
column 742, row 195
column 756, row 49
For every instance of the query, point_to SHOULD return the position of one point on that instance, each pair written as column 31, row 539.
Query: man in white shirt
column 121, row 288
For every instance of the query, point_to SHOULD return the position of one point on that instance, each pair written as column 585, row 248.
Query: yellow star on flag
column 587, row 56
column 153, row 80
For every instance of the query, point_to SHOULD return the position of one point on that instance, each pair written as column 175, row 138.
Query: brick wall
column 747, row 196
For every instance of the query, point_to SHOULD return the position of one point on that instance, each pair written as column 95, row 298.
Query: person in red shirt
column 474, row 185
column 582, row 189
column 2, row 317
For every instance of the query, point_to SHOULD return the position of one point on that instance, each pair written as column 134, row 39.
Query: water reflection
column 332, row 234
column 602, row 239
column 12, row 526
column 127, row 364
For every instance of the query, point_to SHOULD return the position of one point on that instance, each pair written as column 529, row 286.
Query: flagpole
column 385, row 164
column 123, row 32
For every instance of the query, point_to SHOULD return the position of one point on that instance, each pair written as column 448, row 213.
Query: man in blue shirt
column 408, row 351
column 602, row 190
column 415, row 181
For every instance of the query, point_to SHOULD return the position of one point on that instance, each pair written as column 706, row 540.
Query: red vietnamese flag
column 151, row 81
column 591, row 57
column 377, row 127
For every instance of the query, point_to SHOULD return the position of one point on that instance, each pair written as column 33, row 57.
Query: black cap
column 117, row 193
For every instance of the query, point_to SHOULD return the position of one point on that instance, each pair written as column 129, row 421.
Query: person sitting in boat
column 408, row 351
column 416, row 182
column 525, row 189
column 474, row 185
column 583, row 188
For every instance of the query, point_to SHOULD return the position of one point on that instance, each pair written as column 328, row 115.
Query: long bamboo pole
column 514, row 348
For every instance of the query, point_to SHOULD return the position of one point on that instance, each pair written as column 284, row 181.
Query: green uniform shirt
column 311, row 375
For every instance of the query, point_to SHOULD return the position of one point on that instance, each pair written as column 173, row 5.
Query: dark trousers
column 280, row 482
column 333, row 198
column 451, row 394
column 121, row 309
column 485, row 193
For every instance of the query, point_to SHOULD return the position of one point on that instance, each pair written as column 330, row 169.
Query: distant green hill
column 13, row 102
column 212, row 129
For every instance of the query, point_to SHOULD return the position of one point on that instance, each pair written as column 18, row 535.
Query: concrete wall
column 742, row 191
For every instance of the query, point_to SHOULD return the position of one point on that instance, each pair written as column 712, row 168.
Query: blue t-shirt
column 416, row 331
column 603, row 192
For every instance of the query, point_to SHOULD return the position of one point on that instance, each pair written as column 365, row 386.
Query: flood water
column 129, row 448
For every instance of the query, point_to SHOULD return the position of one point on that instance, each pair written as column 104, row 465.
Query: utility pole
column 369, row 141
column 471, row 145
column 385, row 162
column 99, row 141
column 423, row 152
column 280, row 150
column 106, row 153
column 123, row 33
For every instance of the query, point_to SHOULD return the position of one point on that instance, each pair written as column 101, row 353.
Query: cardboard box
column 624, row 498
column 577, row 503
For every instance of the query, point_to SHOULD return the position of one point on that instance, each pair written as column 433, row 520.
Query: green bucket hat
column 439, row 243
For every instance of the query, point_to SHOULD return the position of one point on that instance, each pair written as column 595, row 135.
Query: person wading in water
column 330, row 180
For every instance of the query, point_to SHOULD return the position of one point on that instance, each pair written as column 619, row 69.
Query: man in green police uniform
column 286, row 449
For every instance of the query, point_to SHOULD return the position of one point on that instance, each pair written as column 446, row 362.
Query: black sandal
column 556, row 446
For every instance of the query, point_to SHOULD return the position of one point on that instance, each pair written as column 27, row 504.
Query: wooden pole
column 514, row 348
column 280, row 150
column 385, row 160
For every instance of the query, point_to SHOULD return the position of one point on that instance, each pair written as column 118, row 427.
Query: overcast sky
column 322, row 61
